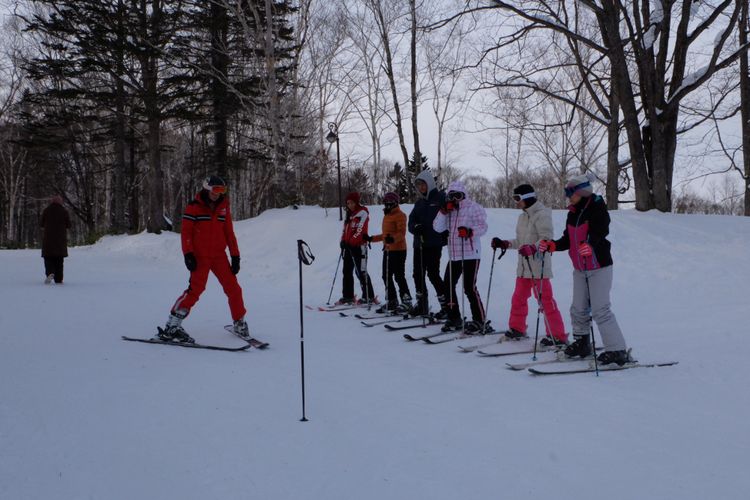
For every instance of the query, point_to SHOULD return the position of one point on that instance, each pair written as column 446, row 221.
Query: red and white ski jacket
column 207, row 228
column 355, row 226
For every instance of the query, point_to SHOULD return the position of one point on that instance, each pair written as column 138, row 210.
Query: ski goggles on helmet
column 217, row 189
column 571, row 190
column 456, row 195
column 519, row 197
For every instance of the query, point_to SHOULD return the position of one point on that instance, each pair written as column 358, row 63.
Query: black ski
column 252, row 342
column 409, row 327
column 183, row 344
column 412, row 338
column 382, row 322
column 602, row 368
column 380, row 316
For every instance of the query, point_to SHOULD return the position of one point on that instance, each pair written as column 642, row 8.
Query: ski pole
column 341, row 254
column 363, row 262
column 387, row 276
column 306, row 257
column 591, row 319
column 463, row 291
column 422, row 292
column 539, row 306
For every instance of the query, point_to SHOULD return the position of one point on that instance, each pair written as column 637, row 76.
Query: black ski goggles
column 456, row 195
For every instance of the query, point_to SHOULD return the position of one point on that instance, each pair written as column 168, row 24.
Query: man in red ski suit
column 207, row 230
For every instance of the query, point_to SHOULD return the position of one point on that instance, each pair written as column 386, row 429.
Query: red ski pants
column 519, row 307
column 223, row 272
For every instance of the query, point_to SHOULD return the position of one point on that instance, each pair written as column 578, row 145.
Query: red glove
column 448, row 206
column 547, row 246
column 465, row 232
column 585, row 250
column 502, row 244
column 527, row 250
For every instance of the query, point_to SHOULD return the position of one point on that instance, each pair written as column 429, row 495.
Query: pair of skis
column 250, row 342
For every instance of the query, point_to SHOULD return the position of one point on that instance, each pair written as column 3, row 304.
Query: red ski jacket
column 207, row 228
column 355, row 226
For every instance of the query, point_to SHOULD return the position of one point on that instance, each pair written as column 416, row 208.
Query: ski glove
column 367, row 237
column 527, row 250
column 465, row 232
column 585, row 250
column 547, row 246
column 417, row 229
column 190, row 261
column 498, row 243
column 342, row 245
column 235, row 264
column 389, row 239
column 448, row 206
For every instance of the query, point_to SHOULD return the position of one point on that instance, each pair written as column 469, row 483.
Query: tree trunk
column 150, row 74
column 663, row 146
column 414, row 104
column 745, row 102
column 613, row 146
column 119, row 194
column 385, row 38
column 623, row 89
column 220, row 63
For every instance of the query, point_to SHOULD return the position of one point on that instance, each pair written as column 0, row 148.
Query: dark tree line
column 130, row 103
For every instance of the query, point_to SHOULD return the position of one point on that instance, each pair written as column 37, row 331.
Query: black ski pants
column 355, row 262
column 453, row 272
column 54, row 266
column 427, row 262
column 394, row 269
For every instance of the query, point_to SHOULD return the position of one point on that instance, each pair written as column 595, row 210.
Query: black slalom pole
column 305, row 257
column 489, row 285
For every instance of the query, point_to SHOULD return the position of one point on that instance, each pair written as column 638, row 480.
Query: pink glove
column 585, row 250
column 547, row 246
column 527, row 250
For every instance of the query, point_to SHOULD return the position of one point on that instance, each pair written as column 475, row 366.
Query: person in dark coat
column 428, row 245
column 55, row 223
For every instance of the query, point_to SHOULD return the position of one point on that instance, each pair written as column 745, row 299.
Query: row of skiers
column 452, row 218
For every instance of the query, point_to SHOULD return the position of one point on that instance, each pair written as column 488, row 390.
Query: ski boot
column 173, row 331
column 581, row 347
column 240, row 329
column 477, row 328
column 514, row 334
column 344, row 301
column 387, row 308
column 552, row 342
column 618, row 357
column 453, row 325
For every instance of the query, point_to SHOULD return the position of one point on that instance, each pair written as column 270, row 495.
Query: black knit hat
column 523, row 191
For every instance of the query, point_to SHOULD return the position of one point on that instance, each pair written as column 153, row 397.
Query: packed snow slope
column 85, row 415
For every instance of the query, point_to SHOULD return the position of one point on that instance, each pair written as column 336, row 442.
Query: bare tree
column 385, row 14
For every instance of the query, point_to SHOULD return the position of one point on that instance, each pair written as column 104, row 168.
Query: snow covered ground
column 84, row 415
